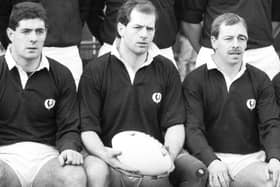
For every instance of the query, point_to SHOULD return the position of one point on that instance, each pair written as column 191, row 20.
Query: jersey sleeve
column 196, row 141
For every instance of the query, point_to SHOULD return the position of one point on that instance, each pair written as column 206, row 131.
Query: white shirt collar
column 12, row 63
column 212, row 65
column 153, row 51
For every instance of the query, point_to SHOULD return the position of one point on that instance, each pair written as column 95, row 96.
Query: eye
column 26, row 31
column 150, row 29
column 40, row 31
column 242, row 38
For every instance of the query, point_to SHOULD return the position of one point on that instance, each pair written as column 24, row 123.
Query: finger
column 61, row 160
column 69, row 158
column 115, row 153
column 267, row 173
column 275, row 176
column 278, row 180
column 222, row 180
column 216, row 182
column 226, row 179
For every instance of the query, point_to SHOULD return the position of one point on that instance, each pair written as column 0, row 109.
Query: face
column 230, row 44
column 139, row 33
column 27, row 39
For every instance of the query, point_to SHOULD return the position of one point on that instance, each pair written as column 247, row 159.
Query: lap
column 53, row 173
column 252, row 176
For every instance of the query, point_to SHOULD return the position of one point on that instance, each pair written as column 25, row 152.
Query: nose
column 144, row 32
column 235, row 43
column 33, row 36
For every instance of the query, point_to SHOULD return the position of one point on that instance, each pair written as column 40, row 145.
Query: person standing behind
column 133, row 88
column 260, row 51
column 65, row 23
column 165, row 35
column 39, row 118
column 233, row 122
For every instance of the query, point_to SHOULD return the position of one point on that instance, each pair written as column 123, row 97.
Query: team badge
column 251, row 104
column 49, row 103
column 156, row 97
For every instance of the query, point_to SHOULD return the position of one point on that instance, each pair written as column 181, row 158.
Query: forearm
column 192, row 31
column 174, row 139
column 93, row 143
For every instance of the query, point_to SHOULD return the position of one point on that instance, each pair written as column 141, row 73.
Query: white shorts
column 69, row 57
column 237, row 162
column 26, row 159
column 166, row 52
column 264, row 58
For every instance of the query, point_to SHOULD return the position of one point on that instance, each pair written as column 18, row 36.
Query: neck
column 134, row 61
column 28, row 65
column 229, row 69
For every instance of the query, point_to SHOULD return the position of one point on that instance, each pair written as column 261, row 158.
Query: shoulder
column 57, row 68
column 256, row 74
column 196, row 76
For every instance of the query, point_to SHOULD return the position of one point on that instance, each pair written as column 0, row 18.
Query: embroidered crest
column 49, row 103
column 156, row 97
column 251, row 104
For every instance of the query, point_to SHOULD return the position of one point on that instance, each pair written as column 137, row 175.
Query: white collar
column 212, row 65
column 153, row 51
column 12, row 63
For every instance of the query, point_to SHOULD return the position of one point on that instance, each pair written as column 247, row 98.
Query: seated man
column 39, row 119
column 133, row 88
column 233, row 121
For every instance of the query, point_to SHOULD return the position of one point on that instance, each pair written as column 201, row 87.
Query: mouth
column 142, row 44
column 235, row 52
column 32, row 48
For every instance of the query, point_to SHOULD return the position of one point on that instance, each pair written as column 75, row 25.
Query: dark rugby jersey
column 257, row 14
column 110, row 103
column 243, row 120
column 45, row 111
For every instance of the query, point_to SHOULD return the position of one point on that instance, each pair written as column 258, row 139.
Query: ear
column 120, row 28
column 213, row 42
column 10, row 33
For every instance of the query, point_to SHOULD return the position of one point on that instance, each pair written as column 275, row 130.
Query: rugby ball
column 142, row 152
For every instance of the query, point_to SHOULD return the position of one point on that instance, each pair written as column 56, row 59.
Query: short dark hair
column 144, row 6
column 227, row 19
column 26, row 10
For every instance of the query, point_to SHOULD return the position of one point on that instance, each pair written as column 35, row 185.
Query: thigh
column 8, row 177
column 252, row 176
column 53, row 174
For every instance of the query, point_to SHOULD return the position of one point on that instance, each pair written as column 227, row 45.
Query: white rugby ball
column 142, row 152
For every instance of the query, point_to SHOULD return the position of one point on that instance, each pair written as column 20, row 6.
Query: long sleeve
column 67, row 116
column 268, row 112
column 196, row 141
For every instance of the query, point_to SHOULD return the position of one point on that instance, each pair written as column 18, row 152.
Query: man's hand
column 110, row 156
column 219, row 175
column 70, row 157
column 273, row 171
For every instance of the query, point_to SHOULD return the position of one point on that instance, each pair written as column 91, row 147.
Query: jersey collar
column 12, row 63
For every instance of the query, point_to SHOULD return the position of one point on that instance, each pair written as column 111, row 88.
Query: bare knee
column 97, row 172
column 71, row 176
column 7, row 176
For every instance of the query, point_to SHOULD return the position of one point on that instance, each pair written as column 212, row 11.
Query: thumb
column 116, row 153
